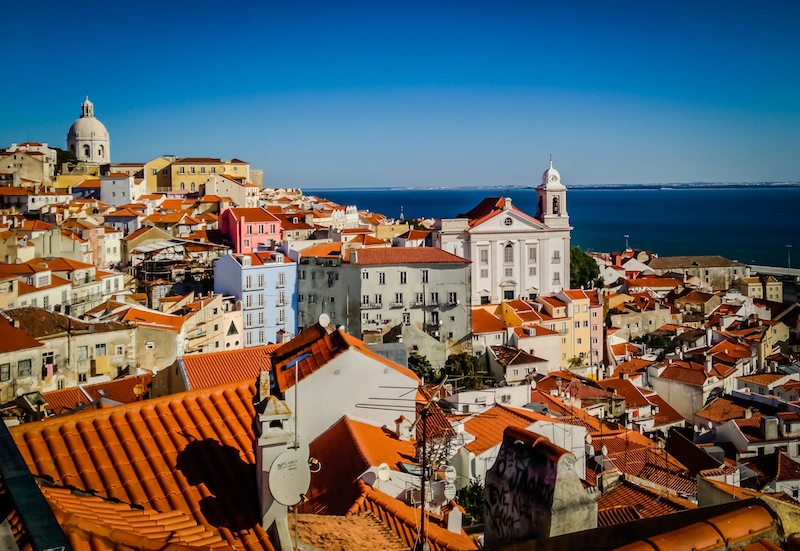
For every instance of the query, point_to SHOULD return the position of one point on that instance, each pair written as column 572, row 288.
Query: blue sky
column 385, row 93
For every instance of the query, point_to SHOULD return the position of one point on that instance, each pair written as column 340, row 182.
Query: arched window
column 192, row 186
column 555, row 205
column 87, row 151
column 508, row 254
column 101, row 151
column 183, row 186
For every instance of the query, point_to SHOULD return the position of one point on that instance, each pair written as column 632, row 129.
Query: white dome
column 87, row 128
column 551, row 178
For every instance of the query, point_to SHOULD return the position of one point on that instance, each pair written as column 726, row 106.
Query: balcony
column 396, row 304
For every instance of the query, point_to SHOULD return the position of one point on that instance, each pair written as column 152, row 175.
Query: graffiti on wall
column 519, row 493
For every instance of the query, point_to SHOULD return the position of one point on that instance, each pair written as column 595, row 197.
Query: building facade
column 88, row 139
column 513, row 254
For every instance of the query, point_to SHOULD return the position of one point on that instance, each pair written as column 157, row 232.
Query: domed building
column 87, row 138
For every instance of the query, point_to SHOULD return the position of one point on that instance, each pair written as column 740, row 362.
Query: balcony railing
column 396, row 304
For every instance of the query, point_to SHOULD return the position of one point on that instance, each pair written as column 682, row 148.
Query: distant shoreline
column 577, row 187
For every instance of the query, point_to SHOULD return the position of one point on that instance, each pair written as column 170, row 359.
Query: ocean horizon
column 749, row 222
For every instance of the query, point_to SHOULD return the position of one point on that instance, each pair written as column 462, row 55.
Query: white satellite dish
column 533, row 384
column 604, row 451
column 290, row 476
column 589, row 439
column 324, row 320
column 384, row 473
column 450, row 473
column 449, row 491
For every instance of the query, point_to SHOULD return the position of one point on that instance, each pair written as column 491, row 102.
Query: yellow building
column 578, row 306
column 157, row 174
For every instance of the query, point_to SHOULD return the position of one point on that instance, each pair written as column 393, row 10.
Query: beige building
column 30, row 161
column 768, row 289
column 716, row 273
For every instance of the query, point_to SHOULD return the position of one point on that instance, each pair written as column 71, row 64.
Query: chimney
column 453, row 516
column 402, row 428
column 769, row 428
column 274, row 440
column 709, row 363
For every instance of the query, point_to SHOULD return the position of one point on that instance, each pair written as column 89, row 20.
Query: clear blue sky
column 385, row 93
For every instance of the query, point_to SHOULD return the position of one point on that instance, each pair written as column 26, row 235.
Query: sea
column 751, row 223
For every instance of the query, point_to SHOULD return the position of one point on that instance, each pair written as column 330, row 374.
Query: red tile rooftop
column 404, row 255
column 209, row 370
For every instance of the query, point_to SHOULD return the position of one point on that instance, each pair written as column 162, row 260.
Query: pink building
column 247, row 228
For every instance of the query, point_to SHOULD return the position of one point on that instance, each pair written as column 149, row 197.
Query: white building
column 120, row 189
column 513, row 254
column 87, row 138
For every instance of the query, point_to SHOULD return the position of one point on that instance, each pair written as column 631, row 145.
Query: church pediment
column 508, row 221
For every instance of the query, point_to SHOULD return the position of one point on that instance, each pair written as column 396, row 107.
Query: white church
column 514, row 255
column 87, row 138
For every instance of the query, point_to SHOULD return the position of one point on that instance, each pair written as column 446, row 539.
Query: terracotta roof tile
column 13, row 339
column 190, row 453
column 216, row 368
column 484, row 322
column 489, row 425
column 646, row 503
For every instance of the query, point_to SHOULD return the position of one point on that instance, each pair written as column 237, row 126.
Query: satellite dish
column 324, row 320
column 604, row 451
column 290, row 477
column 449, row 491
column 383, row 472
column 589, row 439
column 450, row 473
column 533, row 384
column 138, row 389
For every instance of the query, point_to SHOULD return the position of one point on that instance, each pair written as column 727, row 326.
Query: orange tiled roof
column 403, row 520
column 65, row 399
column 484, row 322
column 488, row 426
column 91, row 522
column 13, row 339
column 216, row 368
column 347, row 449
column 315, row 347
column 121, row 390
column 646, row 503
column 190, row 453
column 155, row 320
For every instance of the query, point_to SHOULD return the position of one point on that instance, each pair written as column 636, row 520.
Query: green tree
column 583, row 270
column 471, row 499
column 466, row 366
column 420, row 365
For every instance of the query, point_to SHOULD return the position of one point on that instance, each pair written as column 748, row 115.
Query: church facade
column 87, row 138
column 513, row 254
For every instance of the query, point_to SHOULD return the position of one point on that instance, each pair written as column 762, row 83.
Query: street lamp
column 626, row 236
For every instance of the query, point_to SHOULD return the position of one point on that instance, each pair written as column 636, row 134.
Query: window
column 406, row 318
column 403, row 278
column 82, row 377
column 556, row 257
column 398, row 298
column 153, row 171
column 261, row 228
column 182, row 170
column 248, row 301
column 192, row 186
column 509, row 272
column 281, row 279
column 586, row 323
column 577, row 325
column 87, row 152
column 365, row 275
column 381, row 278
column 508, row 254
column 248, row 282
column 419, row 298
column 378, row 300
column 281, row 316
column 312, row 298
column 508, row 295
column 452, row 298
column 580, row 341
column 260, row 318
column 260, row 281
column 99, row 350
column 83, row 352
column 508, row 221
column 434, row 318
column 248, row 320
column 424, row 276
column 301, row 298
column 365, row 300
column 24, row 368
column 434, row 298
column 119, row 350
column 260, row 299
column 556, row 278
column 281, row 298
column 150, row 345
column 5, row 372
column 365, row 317
column 202, row 170
column 532, row 254
column 484, row 272
column 46, row 299
column 532, row 271
column 484, row 256
column 248, row 338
